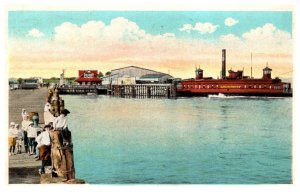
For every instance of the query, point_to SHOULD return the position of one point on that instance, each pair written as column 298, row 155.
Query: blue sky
column 153, row 22
column 45, row 42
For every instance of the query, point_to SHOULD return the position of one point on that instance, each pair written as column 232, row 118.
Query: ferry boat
column 234, row 84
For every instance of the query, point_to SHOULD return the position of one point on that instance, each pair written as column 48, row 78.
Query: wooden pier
column 82, row 89
column 145, row 90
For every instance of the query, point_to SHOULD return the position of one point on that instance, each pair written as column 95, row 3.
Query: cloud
column 186, row 27
column 267, row 33
column 229, row 38
column 119, row 29
column 265, row 39
column 230, row 21
column 168, row 35
column 205, row 27
column 35, row 33
column 202, row 28
column 122, row 42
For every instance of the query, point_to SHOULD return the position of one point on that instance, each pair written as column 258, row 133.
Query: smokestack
column 223, row 63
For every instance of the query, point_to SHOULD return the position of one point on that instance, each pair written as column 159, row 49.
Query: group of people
column 36, row 140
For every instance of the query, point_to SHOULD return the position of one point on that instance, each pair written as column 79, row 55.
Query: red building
column 88, row 77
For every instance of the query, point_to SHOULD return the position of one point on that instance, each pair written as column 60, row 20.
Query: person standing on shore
column 60, row 124
column 24, row 114
column 48, row 117
column 19, row 138
column 25, row 125
column 32, row 134
column 11, row 138
column 44, row 142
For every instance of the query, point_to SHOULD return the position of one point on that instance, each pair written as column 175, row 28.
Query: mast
column 251, row 65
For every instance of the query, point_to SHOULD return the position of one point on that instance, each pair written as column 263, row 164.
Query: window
column 260, row 86
column 245, row 86
column 254, row 86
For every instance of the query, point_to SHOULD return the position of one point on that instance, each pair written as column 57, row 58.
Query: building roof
column 267, row 68
column 151, row 76
column 138, row 68
column 93, row 79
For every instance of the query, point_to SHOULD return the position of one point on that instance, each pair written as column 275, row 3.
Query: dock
column 135, row 90
column 146, row 90
column 22, row 168
column 82, row 89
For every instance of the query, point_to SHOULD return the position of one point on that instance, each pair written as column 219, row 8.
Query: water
column 184, row 140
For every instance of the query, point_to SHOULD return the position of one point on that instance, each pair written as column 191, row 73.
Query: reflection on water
column 194, row 140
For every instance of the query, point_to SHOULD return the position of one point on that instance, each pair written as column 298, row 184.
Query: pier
column 136, row 90
column 82, row 89
column 22, row 168
column 146, row 90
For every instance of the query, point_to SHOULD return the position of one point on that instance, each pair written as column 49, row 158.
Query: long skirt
column 45, row 152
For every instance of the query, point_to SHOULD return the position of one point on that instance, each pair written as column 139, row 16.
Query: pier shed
column 130, row 73
column 154, row 78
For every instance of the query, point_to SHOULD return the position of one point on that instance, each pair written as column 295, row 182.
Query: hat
column 65, row 111
column 47, row 126
column 23, row 109
column 12, row 123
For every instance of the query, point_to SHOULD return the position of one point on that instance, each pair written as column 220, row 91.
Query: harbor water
column 178, row 141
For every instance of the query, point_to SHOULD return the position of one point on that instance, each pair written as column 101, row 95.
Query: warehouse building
column 132, row 75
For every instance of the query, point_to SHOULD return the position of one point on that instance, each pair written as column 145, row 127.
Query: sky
column 43, row 43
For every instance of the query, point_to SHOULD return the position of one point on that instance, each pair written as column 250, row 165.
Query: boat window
column 217, row 86
column 254, row 86
column 245, row 86
column 203, row 86
column 260, row 86
column 207, row 86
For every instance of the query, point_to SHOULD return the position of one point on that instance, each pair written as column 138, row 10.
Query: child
column 11, row 138
column 19, row 138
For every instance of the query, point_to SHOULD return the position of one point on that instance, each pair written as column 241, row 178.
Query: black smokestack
column 223, row 63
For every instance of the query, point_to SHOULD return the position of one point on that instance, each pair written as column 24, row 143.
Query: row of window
column 231, row 87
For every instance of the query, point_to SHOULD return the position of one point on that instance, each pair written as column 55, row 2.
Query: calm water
column 185, row 140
